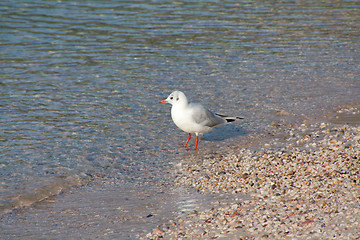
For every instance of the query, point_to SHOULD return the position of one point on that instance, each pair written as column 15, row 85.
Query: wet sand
column 304, row 183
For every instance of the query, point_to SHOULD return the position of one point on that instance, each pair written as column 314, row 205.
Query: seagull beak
column 163, row 101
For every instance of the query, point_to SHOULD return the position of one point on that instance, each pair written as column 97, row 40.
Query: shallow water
column 107, row 211
column 80, row 83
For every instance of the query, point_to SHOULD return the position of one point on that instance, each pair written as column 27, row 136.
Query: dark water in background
column 80, row 82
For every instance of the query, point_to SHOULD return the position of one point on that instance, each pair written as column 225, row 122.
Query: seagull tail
column 229, row 119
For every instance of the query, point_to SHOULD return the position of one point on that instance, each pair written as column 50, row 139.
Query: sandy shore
column 303, row 184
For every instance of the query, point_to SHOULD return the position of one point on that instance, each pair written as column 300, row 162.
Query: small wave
column 40, row 194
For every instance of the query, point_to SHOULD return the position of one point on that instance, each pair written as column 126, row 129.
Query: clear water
column 80, row 83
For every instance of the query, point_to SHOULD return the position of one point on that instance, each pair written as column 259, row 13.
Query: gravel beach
column 304, row 183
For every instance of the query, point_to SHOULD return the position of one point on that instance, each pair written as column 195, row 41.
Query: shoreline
column 304, row 183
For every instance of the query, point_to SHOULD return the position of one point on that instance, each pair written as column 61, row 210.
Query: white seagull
column 193, row 117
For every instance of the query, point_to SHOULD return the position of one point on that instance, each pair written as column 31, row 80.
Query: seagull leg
column 197, row 140
column 188, row 140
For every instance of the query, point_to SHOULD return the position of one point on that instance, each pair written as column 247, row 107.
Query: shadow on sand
column 224, row 132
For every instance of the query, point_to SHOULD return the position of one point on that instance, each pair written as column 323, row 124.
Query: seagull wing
column 204, row 117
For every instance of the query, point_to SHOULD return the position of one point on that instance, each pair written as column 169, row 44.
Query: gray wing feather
column 205, row 117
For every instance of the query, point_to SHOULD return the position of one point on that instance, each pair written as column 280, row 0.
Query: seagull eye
column 171, row 98
column 177, row 99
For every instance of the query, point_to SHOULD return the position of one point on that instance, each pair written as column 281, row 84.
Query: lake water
column 80, row 83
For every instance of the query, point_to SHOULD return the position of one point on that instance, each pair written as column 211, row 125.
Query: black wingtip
column 230, row 120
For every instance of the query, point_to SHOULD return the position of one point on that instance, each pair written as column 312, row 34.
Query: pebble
column 308, row 188
column 157, row 232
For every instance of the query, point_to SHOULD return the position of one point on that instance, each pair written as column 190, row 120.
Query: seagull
column 193, row 117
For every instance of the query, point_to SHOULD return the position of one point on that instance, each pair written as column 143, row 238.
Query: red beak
column 163, row 101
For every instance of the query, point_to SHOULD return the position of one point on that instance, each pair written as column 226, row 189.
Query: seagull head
column 175, row 98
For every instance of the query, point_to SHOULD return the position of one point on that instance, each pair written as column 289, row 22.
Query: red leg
column 197, row 140
column 188, row 140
